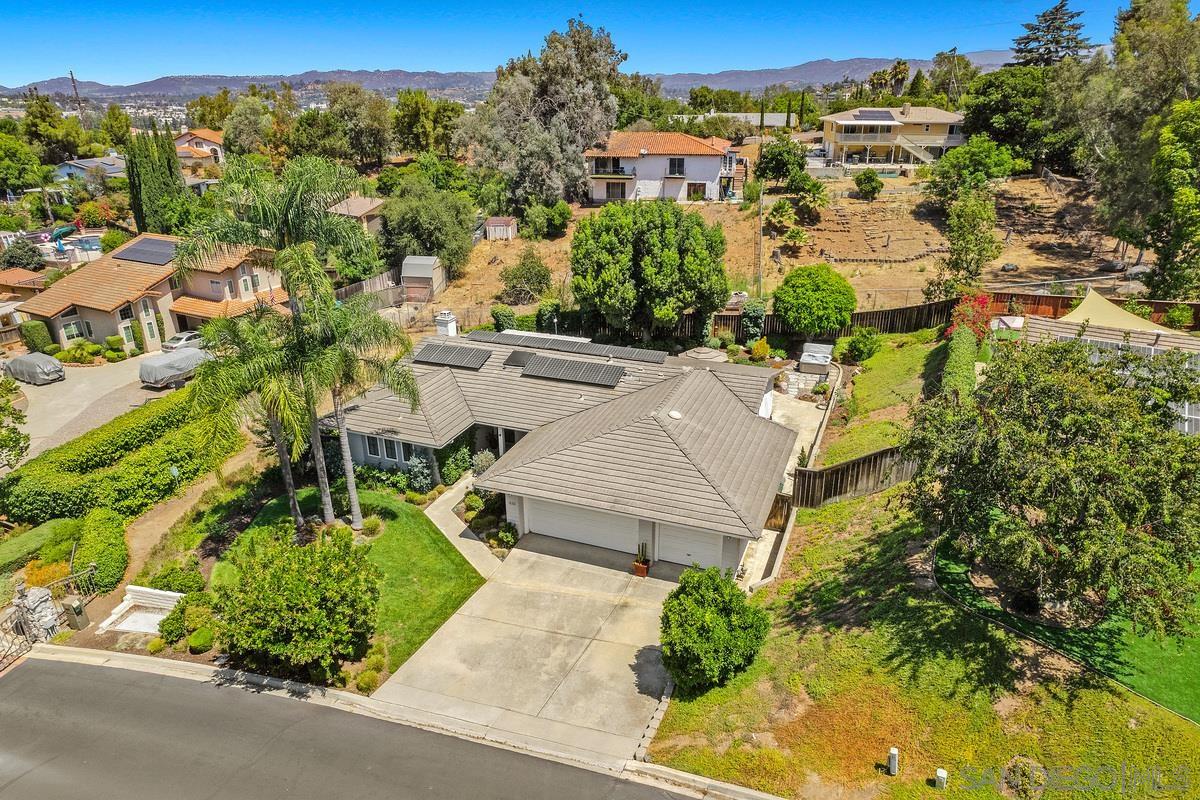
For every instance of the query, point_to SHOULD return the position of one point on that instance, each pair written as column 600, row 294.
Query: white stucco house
column 652, row 165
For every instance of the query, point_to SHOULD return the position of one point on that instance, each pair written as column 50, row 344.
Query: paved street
column 74, row 731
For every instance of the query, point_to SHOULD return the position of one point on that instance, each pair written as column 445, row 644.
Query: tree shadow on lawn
column 874, row 590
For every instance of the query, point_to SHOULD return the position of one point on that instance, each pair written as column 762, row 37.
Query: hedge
column 959, row 373
column 455, row 458
column 124, row 465
column 36, row 335
column 19, row 550
column 103, row 543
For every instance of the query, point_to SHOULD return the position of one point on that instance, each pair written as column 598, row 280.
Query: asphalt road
column 74, row 731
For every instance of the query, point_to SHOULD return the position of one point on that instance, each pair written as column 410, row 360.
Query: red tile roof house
column 136, row 284
column 658, row 164
column 210, row 141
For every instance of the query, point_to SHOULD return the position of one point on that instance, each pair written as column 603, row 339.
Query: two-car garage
column 665, row 542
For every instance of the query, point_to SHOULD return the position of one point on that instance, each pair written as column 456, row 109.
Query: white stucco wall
column 651, row 183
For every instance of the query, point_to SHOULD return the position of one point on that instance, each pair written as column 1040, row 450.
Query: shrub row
column 959, row 373
column 126, row 465
column 19, row 549
column 102, row 542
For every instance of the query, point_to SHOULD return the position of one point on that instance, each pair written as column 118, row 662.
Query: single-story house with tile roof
column 137, row 284
column 609, row 446
column 648, row 165
column 190, row 156
column 23, row 283
column 206, row 139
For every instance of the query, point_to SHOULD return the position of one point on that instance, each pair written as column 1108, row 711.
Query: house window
column 126, row 312
column 127, row 334
column 145, row 307
column 72, row 331
column 675, row 166
column 150, row 331
column 245, row 284
column 389, row 449
column 372, row 446
column 406, row 450
column 927, row 129
column 697, row 191
column 229, row 286
column 255, row 281
column 614, row 190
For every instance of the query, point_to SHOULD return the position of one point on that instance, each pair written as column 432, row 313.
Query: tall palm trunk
column 285, row 468
column 46, row 205
column 339, row 413
column 318, row 456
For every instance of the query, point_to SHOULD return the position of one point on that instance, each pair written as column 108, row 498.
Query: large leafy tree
column 366, row 118
column 421, row 220
column 16, row 161
column 1010, row 106
column 815, row 299
column 318, row 133
column 544, row 111
column 414, row 121
column 1173, row 228
column 247, row 126
column 53, row 137
column 778, row 158
column 299, row 610
column 951, row 74
column 640, row 266
column 1066, row 473
column 116, row 126
column 1054, row 35
column 14, row 443
column 210, row 111
column 970, row 231
column 972, row 168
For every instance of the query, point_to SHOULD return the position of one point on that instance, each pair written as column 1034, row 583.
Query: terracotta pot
column 641, row 569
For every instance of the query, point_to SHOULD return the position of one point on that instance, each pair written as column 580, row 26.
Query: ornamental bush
column 815, row 299
column 959, row 373
column 482, row 461
column 175, row 576
column 112, row 240
column 869, row 184
column 36, row 335
column 1179, row 317
column 754, row 312
column 125, row 465
column 201, row 641
column 114, row 343
column 503, row 317
column 173, row 626
column 864, row 343
column 102, row 542
column 709, row 630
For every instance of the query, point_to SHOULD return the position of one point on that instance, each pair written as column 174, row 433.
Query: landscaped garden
column 865, row 654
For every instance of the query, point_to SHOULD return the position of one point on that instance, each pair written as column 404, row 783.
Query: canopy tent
column 1096, row 310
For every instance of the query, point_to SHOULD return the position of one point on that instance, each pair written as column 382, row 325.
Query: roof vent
column 904, row 109
column 674, row 414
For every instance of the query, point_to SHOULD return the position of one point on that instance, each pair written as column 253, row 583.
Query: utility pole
column 78, row 102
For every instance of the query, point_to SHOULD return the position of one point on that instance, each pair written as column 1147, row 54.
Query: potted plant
column 641, row 564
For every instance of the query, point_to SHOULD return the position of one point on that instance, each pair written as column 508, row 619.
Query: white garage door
column 585, row 525
column 687, row 546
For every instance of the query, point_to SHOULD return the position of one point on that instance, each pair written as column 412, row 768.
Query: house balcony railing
column 671, row 173
column 865, row 138
column 612, row 172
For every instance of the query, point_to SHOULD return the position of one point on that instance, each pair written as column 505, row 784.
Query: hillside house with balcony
column 904, row 135
column 655, row 165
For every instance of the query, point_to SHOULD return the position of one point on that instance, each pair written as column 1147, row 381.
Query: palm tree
column 899, row 76
column 249, row 371
column 287, row 214
column 351, row 349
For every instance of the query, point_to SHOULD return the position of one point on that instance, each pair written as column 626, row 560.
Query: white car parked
column 182, row 340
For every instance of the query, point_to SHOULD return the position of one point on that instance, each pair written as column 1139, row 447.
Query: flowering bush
column 972, row 311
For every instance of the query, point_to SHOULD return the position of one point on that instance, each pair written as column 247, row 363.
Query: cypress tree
column 1050, row 38
column 155, row 178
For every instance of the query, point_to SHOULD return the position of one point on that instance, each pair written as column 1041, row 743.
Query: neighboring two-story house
column 905, row 135
column 210, row 141
column 656, row 164
column 368, row 211
column 136, row 285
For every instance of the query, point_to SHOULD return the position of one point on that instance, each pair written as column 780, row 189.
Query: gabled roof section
column 686, row 451
column 630, row 144
column 442, row 414
column 208, row 134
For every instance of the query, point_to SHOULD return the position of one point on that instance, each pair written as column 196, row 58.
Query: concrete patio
column 560, row 645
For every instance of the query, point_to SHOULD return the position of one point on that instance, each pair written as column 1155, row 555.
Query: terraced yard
column 865, row 655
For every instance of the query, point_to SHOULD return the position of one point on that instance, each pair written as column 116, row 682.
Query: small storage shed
column 504, row 228
column 423, row 278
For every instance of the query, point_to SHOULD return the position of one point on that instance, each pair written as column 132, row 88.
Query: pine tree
column 1053, row 36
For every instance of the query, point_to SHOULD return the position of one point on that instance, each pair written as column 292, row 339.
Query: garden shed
column 423, row 278
column 500, row 228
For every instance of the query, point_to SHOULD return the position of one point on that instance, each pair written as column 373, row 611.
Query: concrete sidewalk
column 441, row 513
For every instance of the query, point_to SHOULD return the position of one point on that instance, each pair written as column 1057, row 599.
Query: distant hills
column 469, row 85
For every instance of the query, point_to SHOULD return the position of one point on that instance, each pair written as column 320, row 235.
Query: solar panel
column 573, row 371
column 518, row 358
column 148, row 251
column 874, row 114
column 563, row 345
column 450, row 355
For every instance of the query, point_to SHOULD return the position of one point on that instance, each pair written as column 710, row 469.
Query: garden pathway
column 441, row 513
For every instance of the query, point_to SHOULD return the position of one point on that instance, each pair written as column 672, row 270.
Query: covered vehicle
column 36, row 368
column 172, row 369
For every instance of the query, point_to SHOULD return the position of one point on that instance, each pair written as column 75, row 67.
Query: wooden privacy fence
column 376, row 283
column 904, row 319
column 874, row 472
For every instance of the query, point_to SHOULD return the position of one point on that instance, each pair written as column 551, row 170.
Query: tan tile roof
column 356, row 206
column 630, row 144
column 917, row 115
column 204, row 133
column 685, row 451
column 104, row 284
column 211, row 309
column 228, row 256
column 187, row 151
column 17, row 276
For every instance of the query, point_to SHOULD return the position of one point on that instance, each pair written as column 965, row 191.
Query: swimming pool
column 89, row 243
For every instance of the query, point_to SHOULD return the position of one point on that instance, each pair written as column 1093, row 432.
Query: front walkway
column 441, row 513
column 558, row 647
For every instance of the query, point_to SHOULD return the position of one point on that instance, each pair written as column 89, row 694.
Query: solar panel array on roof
column 564, row 345
column 450, row 355
column 568, row 369
column 518, row 358
column 880, row 115
column 148, row 251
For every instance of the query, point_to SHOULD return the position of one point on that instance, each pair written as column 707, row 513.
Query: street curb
column 705, row 787
column 642, row 753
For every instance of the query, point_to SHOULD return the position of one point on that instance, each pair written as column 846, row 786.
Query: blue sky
column 138, row 40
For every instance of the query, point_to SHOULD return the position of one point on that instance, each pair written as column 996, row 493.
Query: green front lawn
column 1167, row 671
column 860, row 660
column 424, row 581
column 861, row 439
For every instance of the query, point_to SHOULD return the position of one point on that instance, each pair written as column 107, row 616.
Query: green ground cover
column 861, row 658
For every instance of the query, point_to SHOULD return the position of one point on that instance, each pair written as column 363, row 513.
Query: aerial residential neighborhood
column 582, row 412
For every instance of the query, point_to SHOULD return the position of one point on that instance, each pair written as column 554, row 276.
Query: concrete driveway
column 560, row 646
column 87, row 398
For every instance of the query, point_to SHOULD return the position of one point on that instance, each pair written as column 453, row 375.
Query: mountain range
column 470, row 85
